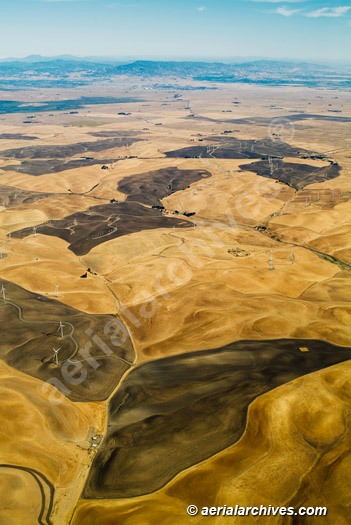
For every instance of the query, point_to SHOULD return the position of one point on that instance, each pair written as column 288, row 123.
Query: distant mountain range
column 32, row 59
column 68, row 70
column 130, row 59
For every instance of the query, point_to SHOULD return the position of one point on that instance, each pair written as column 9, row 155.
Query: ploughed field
column 175, row 412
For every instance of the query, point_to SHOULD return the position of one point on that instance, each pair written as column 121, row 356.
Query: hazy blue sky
column 310, row 29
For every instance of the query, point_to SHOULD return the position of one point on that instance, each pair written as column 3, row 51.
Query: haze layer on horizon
column 305, row 30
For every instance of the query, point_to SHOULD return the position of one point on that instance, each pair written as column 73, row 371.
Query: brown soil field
column 288, row 447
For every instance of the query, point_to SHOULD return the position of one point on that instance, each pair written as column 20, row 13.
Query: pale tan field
column 33, row 264
column 52, row 439
column 228, row 298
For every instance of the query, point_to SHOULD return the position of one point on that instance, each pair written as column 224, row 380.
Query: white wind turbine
column 56, row 351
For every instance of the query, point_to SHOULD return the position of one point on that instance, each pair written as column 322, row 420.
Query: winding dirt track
column 46, row 507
